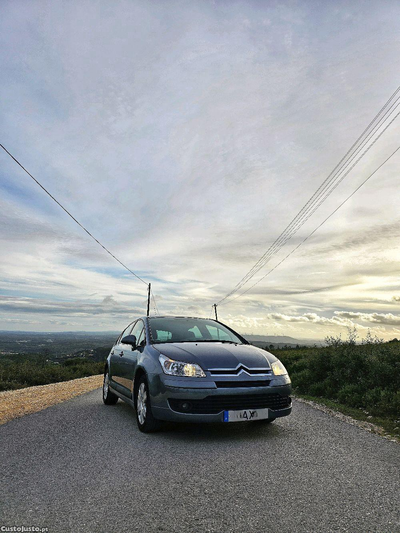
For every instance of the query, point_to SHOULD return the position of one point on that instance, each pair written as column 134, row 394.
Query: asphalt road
column 81, row 466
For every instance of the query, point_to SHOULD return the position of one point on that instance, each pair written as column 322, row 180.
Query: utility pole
column 215, row 311
column 148, row 299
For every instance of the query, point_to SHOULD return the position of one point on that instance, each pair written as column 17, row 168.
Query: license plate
column 246, row 415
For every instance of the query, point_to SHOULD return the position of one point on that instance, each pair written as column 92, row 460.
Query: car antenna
column 215, row 311
column 148, row 299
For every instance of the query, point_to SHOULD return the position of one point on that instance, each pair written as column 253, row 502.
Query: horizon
column 244, row 334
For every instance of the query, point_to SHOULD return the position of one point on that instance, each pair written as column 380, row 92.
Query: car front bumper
column 166, row 392
column 169, row 415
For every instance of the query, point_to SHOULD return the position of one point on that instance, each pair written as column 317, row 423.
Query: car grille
column 242, row 384
column 237, row 371
column 216, row 404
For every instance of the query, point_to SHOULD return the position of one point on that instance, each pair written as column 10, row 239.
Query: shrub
column 27, row 371
column 363, row 375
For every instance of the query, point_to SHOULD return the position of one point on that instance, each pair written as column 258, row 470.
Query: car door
column 116, row 363
column 130, row 357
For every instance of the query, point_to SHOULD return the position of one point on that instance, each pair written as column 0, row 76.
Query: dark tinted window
column 190, row 330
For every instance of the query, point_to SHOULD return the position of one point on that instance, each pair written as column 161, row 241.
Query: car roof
column 175, row 316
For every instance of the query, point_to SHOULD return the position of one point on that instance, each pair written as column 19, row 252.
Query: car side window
column 163, row 336
column 124, row 333
column 196, row 332
column 217, row 333
column 142, row 338
column 138, row 331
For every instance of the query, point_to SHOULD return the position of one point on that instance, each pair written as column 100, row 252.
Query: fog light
column 185, row 406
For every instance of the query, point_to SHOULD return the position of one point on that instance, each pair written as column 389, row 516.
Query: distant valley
column 61, row 345
column 56, row 346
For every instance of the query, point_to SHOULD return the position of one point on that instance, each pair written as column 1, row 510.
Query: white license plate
column 246, row 415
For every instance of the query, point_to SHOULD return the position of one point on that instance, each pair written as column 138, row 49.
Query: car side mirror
column 129, row 339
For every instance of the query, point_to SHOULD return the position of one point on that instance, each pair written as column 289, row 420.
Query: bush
column 363, row 375
column 26, row 371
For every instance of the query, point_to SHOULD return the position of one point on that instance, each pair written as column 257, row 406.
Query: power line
column 318, row 227
column 73, row 218
column 322, row 193
column 306, row 212
column 316, row 206
column 343, row 163
column 308, row 209
column 327, row 187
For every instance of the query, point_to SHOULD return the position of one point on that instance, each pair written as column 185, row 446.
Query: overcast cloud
column 186, row 136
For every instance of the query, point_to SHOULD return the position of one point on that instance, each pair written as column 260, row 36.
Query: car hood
column 215, row 355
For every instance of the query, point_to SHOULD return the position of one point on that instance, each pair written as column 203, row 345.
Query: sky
column 186, row 135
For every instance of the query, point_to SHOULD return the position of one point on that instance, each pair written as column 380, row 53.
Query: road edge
column 20, row 402
column 366, row 426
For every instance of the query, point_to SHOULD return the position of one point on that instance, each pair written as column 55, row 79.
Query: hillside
column 278, row 341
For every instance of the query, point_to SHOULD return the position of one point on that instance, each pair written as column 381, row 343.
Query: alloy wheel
column 105, row 385
column 142, row 403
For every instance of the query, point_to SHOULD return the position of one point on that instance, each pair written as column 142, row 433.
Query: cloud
column 340, row 318
column 315, row 319
column 374, row 318
column 246, row 323
column 379, row 236
column 287, row 318
column 109, row 300
column 189, row 157
column 72, row 308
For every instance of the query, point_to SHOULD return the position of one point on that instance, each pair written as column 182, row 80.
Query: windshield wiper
column 216, row 340
column 197, row 341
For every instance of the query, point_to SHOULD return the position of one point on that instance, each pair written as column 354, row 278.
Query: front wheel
column 109, row 398
column 144, row 416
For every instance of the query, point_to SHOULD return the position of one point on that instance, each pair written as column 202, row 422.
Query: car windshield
column 190, row 330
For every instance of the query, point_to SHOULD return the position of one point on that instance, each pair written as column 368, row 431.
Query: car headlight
column 278, row 369
column 178, row 368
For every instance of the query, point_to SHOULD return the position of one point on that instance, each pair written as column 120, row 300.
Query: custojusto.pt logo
column 23, row 529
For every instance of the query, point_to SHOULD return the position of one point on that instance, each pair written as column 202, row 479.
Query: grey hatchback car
column 193, row 370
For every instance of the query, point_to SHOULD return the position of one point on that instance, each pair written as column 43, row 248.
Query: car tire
column 144, row 416
column 109, row 398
